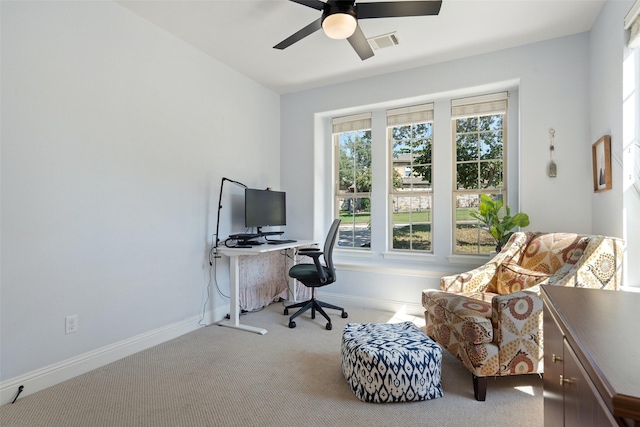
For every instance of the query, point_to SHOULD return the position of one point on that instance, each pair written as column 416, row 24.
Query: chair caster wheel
column 345, row 314
column 292, row 324
column 329, row 327
column 286, row 311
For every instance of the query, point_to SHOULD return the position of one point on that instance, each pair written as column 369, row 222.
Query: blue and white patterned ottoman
column 385, row 362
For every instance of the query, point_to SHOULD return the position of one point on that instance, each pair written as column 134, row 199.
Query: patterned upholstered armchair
column 490, row 318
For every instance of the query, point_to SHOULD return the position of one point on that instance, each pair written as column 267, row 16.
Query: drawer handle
column 564, row 380
column 555, row 358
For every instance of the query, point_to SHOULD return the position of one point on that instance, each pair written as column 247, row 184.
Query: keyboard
column 280, row 242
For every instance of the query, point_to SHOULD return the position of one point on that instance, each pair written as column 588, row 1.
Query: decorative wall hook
column 552, row 169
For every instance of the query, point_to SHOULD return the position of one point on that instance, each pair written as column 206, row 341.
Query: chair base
column 314, row 305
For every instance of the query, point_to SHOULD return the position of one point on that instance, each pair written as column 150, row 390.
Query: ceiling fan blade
column 396, row 9
column 314, row 4
column 309, row 29
column 360, row 44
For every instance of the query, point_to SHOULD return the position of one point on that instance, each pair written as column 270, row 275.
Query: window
column 410, row 135
column 352, row 194
column 479, row 132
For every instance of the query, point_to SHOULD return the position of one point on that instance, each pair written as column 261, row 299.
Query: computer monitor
column 264, row 208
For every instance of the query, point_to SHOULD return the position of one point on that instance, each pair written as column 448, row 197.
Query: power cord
column 213, row 277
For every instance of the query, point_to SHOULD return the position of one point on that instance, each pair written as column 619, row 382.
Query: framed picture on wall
column 601, row 154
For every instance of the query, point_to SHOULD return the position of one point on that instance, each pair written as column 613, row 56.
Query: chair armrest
column 308, row 250
column 315, row 254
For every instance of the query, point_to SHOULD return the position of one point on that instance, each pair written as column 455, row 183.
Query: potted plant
column 497, row 220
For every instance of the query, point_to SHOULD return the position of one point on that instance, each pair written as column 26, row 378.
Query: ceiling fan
column 339, row 19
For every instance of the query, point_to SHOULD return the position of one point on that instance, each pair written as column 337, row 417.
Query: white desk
column 234, row 278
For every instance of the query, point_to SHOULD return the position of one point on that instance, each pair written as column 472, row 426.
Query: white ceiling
column 242, row 33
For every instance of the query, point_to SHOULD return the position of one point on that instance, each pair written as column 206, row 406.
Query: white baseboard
column 414, row 309
column 53, row 374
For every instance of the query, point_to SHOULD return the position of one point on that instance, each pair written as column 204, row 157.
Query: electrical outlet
column 71, row 324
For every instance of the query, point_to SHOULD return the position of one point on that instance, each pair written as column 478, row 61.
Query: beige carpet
column 219, row 376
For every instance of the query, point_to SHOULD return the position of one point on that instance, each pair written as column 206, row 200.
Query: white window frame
column 341, row 125
column 478, row 106
column 408, row 116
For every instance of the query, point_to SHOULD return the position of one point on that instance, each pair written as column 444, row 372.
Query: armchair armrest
column 469, row 318
column 517, row 323
column 481, row 279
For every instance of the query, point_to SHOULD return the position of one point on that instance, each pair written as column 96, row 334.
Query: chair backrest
column 329, row 243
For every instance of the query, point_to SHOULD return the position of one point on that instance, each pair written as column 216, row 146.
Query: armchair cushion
column 549, row 252
column 514, row 278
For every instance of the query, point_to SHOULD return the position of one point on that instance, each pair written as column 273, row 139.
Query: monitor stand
column 268, row 233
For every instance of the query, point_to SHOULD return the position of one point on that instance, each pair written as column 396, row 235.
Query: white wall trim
column 412, row 308
column 51, row 375
column 58, row 372
column 395, row 270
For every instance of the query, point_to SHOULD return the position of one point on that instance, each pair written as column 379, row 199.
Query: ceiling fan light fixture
column 339, row 19
column 339, row 25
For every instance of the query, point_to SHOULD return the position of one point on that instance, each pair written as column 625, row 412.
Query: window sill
column 405, row 264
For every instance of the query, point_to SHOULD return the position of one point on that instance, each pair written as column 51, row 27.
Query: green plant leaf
column 496, row 216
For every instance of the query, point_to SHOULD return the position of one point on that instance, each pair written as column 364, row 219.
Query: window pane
column 421, row 178
column 354, row 166
column 401, row 150
column 466, row 147
column 401, row 132
column 470, row 237
column 345, row 181
column 466, row 125
column 346, row 145
column 473, row 240
column 491, row 174
column 355, row 228
column 467, row 175
column 362, row 181
column 411, row 220
column 422, row 151
column 496, row 122
column 491, row 145
column 422, row 130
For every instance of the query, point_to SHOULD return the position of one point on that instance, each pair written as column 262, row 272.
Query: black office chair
column 316, row 275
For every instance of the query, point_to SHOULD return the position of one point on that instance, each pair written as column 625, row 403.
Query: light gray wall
column 616, row 212
column 115, row 136
column 553, row 81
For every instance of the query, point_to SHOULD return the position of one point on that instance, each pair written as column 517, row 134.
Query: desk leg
column 291, row 252
column 234, row 303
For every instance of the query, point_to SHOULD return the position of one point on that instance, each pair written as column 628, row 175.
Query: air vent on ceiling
column 385, row 40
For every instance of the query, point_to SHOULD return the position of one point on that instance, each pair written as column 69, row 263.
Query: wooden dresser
column 591, row 357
